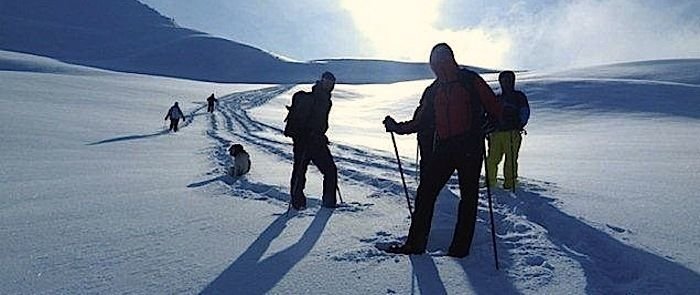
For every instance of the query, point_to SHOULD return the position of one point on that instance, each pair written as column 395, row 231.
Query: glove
column 390, row 124
column 488, row 127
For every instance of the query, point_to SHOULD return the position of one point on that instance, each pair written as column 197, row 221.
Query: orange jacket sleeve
column 488, row 98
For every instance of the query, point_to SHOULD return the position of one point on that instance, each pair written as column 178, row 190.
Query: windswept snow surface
column 98, row 198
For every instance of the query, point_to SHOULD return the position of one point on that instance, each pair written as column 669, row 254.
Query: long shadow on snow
column 427, row 276
column 251, row 275
column 130, row 137
column 610, row 266
column 189, row 117
column 478, row 266
column 262, row 192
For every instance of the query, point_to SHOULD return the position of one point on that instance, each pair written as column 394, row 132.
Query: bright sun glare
column 405, row 30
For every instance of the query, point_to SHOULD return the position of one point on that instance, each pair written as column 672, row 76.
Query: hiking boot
column 404, row 249
column 298, row 207
column 329, row 206
column 457, row 254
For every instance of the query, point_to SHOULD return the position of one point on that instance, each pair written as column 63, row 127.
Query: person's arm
column 410, row 126
column 167, row 115
column 488, row 98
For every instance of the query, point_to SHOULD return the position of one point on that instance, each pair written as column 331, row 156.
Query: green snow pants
column 504, row 143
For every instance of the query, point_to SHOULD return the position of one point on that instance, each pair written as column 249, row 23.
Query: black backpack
column 516, row 111
column 298, row 114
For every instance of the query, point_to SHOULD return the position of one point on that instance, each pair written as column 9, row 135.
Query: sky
column 520, row 34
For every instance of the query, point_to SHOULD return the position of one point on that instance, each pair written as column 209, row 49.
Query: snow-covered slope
column 97, row 198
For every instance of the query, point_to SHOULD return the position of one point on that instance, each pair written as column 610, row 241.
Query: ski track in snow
column 232, row 121
column 539, row 246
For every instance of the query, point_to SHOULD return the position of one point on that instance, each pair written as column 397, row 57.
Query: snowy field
column 98, row 198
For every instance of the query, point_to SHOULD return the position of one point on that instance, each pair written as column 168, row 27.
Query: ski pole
column 512, row 161
column 337, row 187
column 403, row 180
column 417, row 162
column 488, row 194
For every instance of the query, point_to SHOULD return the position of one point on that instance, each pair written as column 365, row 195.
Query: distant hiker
column 241, row 161
column 507, row 136
column 174, row 114
column 306, row 124
column 211, row 100
column 455, row 102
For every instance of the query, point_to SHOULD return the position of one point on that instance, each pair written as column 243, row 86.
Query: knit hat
column 328, row 76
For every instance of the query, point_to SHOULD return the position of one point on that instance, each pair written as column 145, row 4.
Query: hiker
column 307, row 123
column 507, row 137
column 175, row 114
column 455, row 102
column 241, row 161
column 211, row 100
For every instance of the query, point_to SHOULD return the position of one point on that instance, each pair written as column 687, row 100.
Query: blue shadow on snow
column 251, row 275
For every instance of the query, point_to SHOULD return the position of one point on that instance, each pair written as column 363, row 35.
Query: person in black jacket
column 311, row 144
column 211, row 100
column 507, row 134
column 174, row 114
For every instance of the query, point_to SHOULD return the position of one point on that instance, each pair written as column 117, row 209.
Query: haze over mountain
column 129, row 36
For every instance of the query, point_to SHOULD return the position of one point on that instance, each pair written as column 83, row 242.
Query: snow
column 98, row 198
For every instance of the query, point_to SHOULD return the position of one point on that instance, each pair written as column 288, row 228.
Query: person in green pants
column 507, row 135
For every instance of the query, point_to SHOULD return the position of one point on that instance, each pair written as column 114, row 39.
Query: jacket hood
column 442, row 62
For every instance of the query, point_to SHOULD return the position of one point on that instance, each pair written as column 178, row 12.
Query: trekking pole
column 405, row 188
column 337, row 188
column 488, row 194
column 512, row 161
column 417, row 162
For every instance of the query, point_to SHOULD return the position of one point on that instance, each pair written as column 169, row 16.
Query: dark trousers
column 315, row 151
column 210, row 107
column 173, row 124
column 425, row 145
column 464, row 155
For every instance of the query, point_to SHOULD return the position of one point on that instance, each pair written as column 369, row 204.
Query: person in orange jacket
column 457, row 101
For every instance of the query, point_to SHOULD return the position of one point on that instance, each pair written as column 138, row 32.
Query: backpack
column 516, row 111
column 298, row 114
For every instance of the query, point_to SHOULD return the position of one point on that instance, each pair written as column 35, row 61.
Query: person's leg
column 439, row 172
column 510, row 167
column 298, row 181
column 322, row 158
column 495, row 154
column 469, row 170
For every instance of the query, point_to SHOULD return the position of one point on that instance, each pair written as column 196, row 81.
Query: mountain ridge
column 130, row 36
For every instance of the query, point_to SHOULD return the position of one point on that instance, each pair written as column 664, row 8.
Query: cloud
column 519, row 34
column 407, row 30
column 585, row 32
